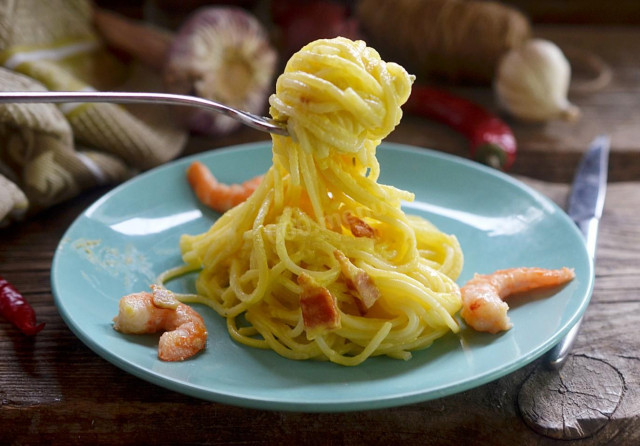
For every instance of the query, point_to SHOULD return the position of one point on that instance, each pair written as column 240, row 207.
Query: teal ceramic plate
column 123, row 241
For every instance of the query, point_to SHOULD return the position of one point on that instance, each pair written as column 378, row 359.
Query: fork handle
column 121, row 97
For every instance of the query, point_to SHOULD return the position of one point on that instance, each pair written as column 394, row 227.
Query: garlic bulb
column 223, row 54
column 532, row 82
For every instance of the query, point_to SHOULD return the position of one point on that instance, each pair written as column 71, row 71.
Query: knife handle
column 556, row 357
column 589, row 228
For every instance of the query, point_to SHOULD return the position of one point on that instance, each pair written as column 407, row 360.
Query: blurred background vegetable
column 219, row 53
column 490, row 139
column 532, row 82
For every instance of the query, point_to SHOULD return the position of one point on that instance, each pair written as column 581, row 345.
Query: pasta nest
column 336, row 94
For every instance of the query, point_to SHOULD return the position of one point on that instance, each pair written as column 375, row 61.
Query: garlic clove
column 532, row 83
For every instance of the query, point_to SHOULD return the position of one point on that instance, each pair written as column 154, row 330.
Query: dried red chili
column 17, row 310
column 491, row 140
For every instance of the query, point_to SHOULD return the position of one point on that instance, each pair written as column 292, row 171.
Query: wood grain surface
column 55, row 390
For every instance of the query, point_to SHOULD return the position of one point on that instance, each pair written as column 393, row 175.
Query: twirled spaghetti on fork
column 321, row 262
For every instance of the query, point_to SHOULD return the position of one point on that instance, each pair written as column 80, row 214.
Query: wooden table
column 54, row 390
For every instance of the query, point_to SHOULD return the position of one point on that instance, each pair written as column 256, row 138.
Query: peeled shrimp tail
column 186, row 339
column 483, row 306
column 218, row 196
column 185, row 333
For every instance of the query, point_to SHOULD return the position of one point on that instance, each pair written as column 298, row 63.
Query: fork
column 261, row 123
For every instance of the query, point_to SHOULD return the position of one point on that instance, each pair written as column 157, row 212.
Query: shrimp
column 218, row 196
column 483, row 306
column 184, row 331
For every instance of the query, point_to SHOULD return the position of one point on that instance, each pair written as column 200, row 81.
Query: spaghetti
column 320, row 215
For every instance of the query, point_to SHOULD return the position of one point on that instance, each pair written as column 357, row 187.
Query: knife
column 585, row 204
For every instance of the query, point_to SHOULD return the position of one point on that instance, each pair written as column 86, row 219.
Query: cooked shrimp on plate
column 185, row 333
column 218, row 196
column 483, row 297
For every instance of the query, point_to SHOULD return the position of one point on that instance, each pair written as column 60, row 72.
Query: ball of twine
column 457, row 40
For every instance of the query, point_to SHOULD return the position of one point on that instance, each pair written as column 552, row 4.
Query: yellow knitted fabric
column 52, row 152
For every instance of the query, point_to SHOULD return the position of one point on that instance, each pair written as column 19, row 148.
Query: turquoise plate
column 123, row 241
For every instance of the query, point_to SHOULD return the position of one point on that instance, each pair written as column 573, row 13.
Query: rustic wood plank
column 54, row 389
column 566, row 406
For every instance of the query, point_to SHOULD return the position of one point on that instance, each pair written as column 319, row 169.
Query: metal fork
column 261, row 123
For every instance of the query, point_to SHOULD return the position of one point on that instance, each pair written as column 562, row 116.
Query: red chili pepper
column 17, row 310
column 492, row 141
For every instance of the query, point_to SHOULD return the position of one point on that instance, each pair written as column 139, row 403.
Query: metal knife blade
column 585, row 205
column 586, row 199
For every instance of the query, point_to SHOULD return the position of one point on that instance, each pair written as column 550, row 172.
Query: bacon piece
column 319, row 309
column 358, row 227
column 358, row 280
